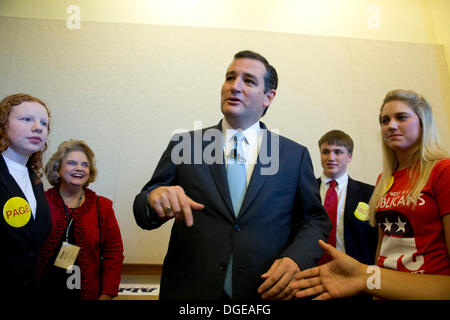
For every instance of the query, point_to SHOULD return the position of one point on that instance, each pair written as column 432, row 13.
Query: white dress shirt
column 341, row 189
column 250, row 145
column 22, row 177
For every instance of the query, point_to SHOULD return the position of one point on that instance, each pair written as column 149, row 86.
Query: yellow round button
column 362, row 211
column 17, row 212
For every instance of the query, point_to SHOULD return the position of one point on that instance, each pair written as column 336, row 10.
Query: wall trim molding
column 139, row 269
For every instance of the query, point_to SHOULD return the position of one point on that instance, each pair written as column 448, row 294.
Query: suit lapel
column 352, row 194
column 218, row 172
column 38, row 194
column 350, row 206
column 219, row 175
column 8, row 181
column 258, row 180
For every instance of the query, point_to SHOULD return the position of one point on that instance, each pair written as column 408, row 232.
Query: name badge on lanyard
column 68, row 253
column 67, row 256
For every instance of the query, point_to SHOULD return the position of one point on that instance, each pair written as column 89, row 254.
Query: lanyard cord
column 69, row 223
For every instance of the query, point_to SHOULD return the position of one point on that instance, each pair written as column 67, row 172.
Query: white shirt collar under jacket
column 250, row 148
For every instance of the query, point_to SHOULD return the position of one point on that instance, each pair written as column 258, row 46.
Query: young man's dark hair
column 339, row 138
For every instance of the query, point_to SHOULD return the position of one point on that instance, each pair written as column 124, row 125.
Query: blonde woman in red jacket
column 78, row 261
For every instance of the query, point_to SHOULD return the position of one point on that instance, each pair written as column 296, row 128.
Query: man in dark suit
column 351, row 231
column 241, row 245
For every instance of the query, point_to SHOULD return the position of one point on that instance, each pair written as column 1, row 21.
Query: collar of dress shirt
column 340, row 181
column 250, row 134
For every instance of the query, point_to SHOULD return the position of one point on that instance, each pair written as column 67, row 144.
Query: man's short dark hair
column 270, row 77
column 339, row 138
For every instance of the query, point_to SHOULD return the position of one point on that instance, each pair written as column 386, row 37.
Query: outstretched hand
column 342, row 277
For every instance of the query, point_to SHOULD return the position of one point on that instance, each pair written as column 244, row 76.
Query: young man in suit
column 247, row 221
column 351, row 232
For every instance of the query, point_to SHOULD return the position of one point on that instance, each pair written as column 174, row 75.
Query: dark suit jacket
column 20, row 247
column 281, row 215
column 359, row 237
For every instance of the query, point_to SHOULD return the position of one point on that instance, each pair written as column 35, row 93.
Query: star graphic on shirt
column 401, row 225
column 387, row 225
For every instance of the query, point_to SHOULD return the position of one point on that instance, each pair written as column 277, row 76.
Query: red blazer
column 85, row 221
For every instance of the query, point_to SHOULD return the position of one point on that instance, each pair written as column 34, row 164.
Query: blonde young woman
column 410, row 204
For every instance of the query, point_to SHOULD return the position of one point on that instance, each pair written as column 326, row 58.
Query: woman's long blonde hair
column 429, row 152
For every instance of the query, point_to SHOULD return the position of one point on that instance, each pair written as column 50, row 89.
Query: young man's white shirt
column 341, row 189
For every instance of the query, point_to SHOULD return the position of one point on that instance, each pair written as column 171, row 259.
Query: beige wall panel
column 8, row 32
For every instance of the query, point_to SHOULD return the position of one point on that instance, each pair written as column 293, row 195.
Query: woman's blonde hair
column 54, row 163
column 429, row 152
column 6, row 105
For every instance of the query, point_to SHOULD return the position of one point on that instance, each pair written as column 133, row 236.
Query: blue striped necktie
column 236, row 175
column 237, row 183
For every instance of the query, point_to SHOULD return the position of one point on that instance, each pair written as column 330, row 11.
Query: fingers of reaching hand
column 281, row 289
column 308, row 283
column 308, row 273
column 318, row 291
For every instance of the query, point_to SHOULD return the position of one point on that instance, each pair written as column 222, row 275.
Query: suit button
column 223, row 266
column 237, row 228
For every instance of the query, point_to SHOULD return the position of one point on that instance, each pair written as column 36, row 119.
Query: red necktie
column 330, row 204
